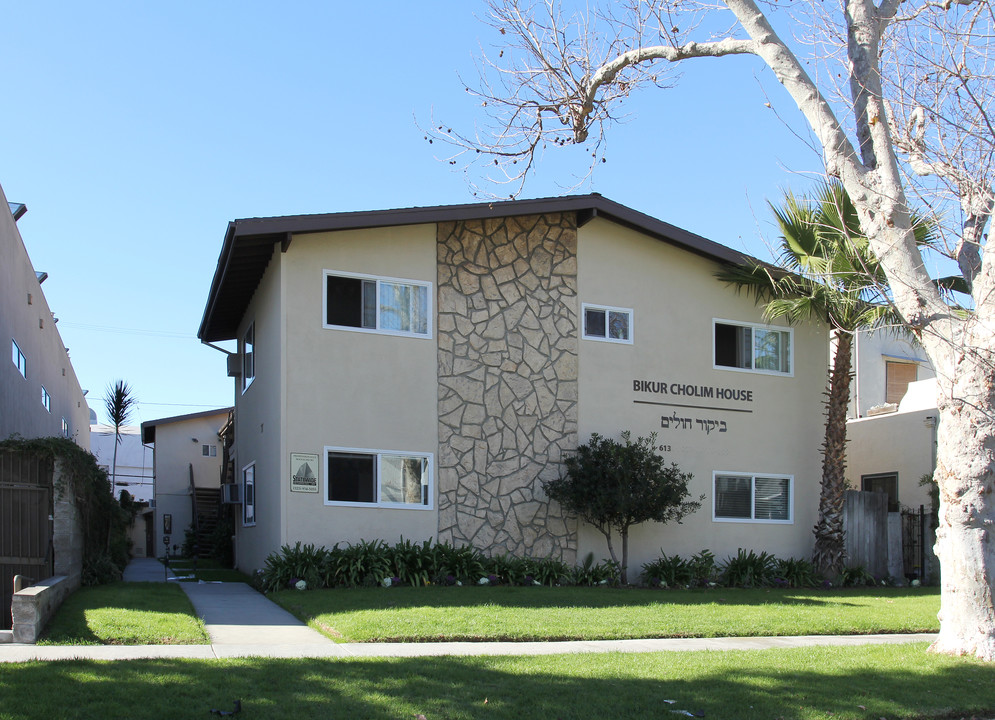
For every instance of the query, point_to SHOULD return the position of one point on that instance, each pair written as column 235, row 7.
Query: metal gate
column 25, row 524
column 914, row 543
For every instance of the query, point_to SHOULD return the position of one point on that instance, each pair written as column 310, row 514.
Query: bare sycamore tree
column 897, row 96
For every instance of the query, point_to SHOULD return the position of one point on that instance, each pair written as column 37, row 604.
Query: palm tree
column 827, row 271
column 118, row 403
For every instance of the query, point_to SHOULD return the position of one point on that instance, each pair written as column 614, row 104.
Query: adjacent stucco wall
column 902, row 443
column 134, row 460
column 507, row 383
column 258, row 413
column 872, row 350
column 175, row 452
column 26, row 318
column 674, row 298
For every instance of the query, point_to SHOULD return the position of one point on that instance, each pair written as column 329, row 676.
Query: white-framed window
column 248, row 356
column 209, row 450
column 744, row 497
column 752, row 348
column 367, row 303
column 249, row 495
column 65, row 428
column 46, row 399
column 607, row 324
column 385, row 478
column 20, row 362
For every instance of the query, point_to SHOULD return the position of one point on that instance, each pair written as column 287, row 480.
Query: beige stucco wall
column 258, row 431
column 26, row 318
column 903, row 443
column 674, row 299
column 337, row 388
column 175, row 453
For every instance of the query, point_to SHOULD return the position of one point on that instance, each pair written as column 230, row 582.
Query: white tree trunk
column 965, row 472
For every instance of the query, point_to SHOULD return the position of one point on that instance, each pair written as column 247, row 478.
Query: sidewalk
column 243, row 623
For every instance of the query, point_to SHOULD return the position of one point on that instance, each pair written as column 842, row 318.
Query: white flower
column 385, row 582
column 603, row 582
column 459, row 583
column 916, row 583
column 300, row 585
column 484, row 581
column 537, row 583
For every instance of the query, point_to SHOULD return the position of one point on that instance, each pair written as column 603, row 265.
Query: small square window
column 608, row 324
column 209, row 450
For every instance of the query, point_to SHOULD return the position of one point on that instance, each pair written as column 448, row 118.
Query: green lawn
column 575, row 613
column 855, row 683
column 125, row 614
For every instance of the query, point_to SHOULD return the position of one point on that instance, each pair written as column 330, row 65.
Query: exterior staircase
column 207, row 503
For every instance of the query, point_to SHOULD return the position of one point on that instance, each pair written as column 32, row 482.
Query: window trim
column 584, row 307
column 429, row 311
column 753, row 488
column 248, row 358
column 430, row 457
column 19, row 359
column 756, row 326
column 46, row 399
column 249, row 479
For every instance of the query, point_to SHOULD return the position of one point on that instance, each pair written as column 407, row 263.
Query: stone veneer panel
column 507, row 381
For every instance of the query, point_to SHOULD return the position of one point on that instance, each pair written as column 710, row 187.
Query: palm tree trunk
column 829, row 552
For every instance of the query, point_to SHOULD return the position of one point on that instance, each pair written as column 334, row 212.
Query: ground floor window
column 378, row 477
column 886, row 483
column 752, row 498
column 249, row 495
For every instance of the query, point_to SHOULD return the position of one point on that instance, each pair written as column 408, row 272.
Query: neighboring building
column 885, row 362
column 418, row 373
column 39, row 393
column 187, row 462
column 134, row 475
column 134, row 460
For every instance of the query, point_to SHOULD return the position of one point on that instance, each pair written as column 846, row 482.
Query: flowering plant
column 300, row 585
column 484, row 581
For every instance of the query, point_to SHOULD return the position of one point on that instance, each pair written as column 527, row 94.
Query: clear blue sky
column 135, row 131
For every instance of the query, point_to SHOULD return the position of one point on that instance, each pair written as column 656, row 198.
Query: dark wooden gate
column 865, row 517
column 25, row 524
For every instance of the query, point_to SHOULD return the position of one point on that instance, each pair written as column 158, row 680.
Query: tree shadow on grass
column 806, row 684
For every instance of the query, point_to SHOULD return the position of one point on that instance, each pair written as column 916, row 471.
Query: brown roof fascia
column 273, row 230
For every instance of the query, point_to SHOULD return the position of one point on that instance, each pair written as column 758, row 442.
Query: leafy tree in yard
column 614, row 485
column 832, row 276
column 897, row 96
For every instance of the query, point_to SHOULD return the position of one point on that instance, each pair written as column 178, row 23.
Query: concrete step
column 6, row 636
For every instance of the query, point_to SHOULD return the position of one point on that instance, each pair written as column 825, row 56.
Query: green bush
column 675, row 571
column 605, row 572
column 300, row 562
column 749, row 570
column 795, row 573
column 855, row 577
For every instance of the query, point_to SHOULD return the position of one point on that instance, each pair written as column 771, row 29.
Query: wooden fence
column 865, row 517
column 25, row 524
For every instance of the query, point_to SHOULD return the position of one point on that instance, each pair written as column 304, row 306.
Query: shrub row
column 745, row 569
column 407, row 563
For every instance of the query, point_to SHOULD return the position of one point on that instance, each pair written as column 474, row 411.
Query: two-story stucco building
column 418, row 373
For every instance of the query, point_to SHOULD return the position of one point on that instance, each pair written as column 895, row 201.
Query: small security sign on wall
column 303, row 472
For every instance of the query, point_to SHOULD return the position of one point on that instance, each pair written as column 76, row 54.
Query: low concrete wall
column 34, row 606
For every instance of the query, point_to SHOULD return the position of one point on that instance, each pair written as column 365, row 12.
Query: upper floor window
column 20, row 362
column 752, row 498
column 378, row 304
column 46, row 399
column 898, row 375
column 248, row 357
column 65, row 428
column 377, row 477
column 609, row 324
column 755, row 348
column 209, row 450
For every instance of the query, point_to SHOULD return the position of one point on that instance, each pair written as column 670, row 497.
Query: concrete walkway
column 243, row 623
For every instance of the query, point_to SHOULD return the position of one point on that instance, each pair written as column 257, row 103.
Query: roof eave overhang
column 249, row 243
